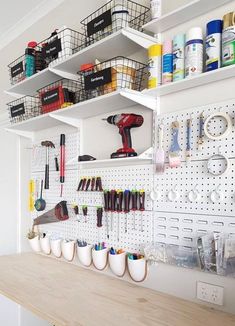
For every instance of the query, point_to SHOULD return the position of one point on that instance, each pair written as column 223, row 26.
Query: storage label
column 17, row 69
column 17, row 110
column 99, row 23
column 97, row 79
column 52, row 48
column 50, row 97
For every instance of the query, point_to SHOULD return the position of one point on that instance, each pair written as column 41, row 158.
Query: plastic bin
column 24, row 108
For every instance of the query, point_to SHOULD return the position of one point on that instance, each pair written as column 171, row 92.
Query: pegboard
column 180, row 221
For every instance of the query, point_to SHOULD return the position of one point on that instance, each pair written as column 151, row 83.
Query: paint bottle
column 228, row 39
column 213, row 44
column 167, row 62
column 30, row 59
column 194, row 52
column 178, row 57
column 156, row 8
column 155, row 65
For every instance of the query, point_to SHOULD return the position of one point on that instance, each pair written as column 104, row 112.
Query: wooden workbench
column 65, row 294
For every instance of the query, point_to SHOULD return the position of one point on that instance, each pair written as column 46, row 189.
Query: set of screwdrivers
column 118, row 201
column 90, row 184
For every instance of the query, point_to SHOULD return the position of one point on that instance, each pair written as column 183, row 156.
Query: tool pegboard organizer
column 197, row 197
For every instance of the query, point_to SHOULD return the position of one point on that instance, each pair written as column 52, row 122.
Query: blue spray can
column 30, row 59
column 213, row 44
column 178, row 57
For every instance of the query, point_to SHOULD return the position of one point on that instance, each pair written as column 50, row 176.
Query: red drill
column 125, row 122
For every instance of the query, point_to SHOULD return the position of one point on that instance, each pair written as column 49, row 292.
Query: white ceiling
column 17, row 16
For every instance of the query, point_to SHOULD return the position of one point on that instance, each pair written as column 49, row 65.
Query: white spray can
column 194, row 52
column 178, row 57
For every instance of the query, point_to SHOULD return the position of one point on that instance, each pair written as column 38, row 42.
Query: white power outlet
column 210, row 293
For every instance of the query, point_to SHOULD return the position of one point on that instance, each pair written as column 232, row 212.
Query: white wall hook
column 173, row 194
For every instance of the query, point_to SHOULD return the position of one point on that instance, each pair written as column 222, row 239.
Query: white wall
column 164, row 278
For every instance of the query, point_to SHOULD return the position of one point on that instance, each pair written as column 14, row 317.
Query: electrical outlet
column 210, row 293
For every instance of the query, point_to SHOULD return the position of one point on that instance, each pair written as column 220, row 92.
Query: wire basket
column 59, row 95
column 112, row 75
column 113, row 16
column 59, row 46
column 24, row 108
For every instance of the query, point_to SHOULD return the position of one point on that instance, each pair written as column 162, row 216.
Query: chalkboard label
column 17, row 110
column 50, row 97
column 97, row 79
column 51, row 49
column 17, row 69
column 99, row 23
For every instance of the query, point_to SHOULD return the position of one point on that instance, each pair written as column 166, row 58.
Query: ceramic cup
column 45, row 245
column 56, row 247
column 100, row 258
column 35, row 244
column 68, row 248
column 137, row 269
column 117, row 264
column 84, row 255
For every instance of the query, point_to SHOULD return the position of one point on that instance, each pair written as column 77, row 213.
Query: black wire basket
column 112, row 75
column 59, row 46
column 24, row 108
column 113, row 16
column 58, row 95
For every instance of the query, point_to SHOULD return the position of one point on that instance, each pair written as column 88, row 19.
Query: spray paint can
column 156, row 8
column 155, row 65
column 213, row 44
column 228, row 39
column 167, row 62
column 194, row 52
column 178, row 57
column 30, row 59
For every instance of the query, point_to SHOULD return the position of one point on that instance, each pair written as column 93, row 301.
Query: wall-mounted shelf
column 144, row 158
column 29, row 86
column 200, row 80
column 183, row 14
column 124, row 42
column 72, row 115
column 128, row 40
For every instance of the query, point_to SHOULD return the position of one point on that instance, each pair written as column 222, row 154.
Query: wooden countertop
column 65, row 294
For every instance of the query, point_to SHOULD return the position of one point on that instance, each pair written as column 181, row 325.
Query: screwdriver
column 107, row 209
column 80, row 185
column 127, row 198
column 119, row 210
column 83, row 184
column 99, row 213
column 87, row 184
column 93, row 184
column 113, row 202
column 98, row 185
column 134, row 197
column 85, row 210
column 141, row 206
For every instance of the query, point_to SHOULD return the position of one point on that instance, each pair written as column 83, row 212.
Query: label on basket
column 17, row 110
column 99, row 23
column 97, row 79
column 52, row 48
column 17, row 69
column 51, row 96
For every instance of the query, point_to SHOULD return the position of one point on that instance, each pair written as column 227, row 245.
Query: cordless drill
column 125, row 122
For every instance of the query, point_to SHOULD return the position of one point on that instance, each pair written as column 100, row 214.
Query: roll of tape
column 227, row 131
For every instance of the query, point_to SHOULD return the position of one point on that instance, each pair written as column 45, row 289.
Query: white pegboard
column 180, row 222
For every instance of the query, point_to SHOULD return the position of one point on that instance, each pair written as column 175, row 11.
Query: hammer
column 48, row 144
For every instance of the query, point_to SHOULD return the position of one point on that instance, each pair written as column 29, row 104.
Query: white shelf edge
column 145, row 156
column 197, row 81
column 181, row 15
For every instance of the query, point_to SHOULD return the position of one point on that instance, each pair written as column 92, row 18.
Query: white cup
column 45, row 245
column 35, row 244
column 117, row 264
column 84, row 255
column 56, row 247
column 137, row 269
column 68, row 248
column 100, row 258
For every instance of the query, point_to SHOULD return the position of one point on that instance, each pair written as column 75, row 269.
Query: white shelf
column 29, row 86
column 200, row 80
column 144, row 158
column 124, row 42
column 183, row 14
column 72, row 115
